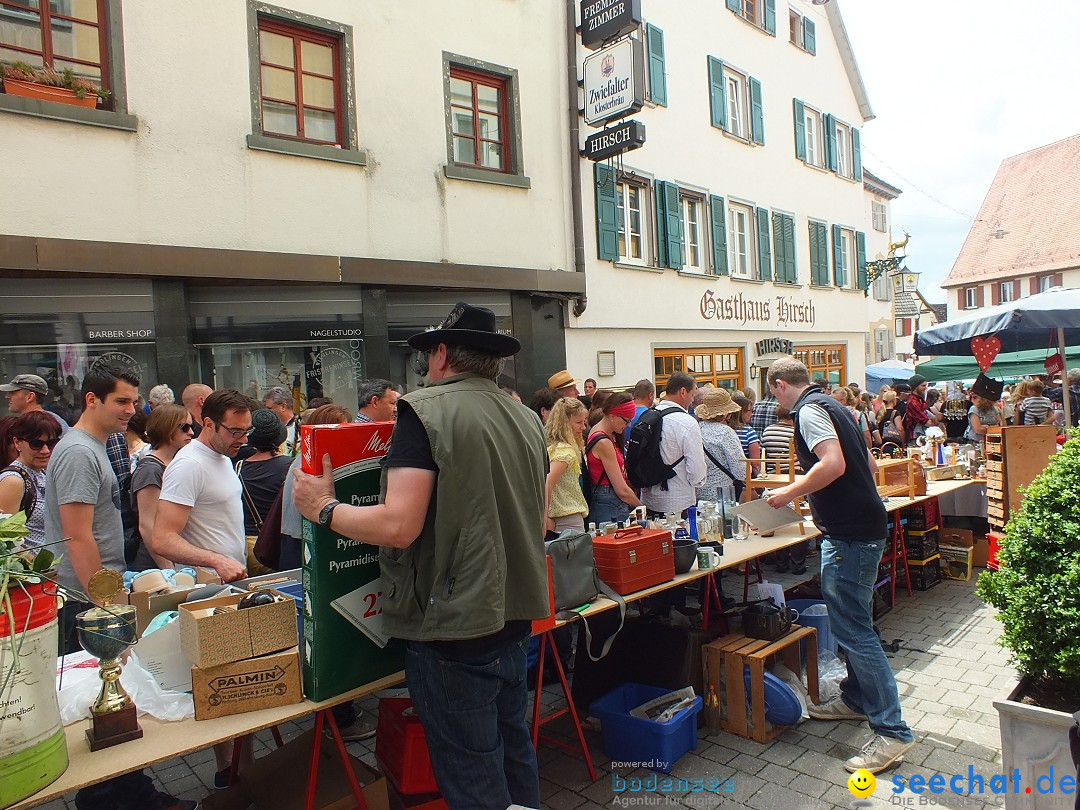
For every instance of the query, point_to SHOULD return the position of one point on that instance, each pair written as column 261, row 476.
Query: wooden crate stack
column 1015, row 454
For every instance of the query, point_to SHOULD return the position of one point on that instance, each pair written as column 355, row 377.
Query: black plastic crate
column 925, row 574
column 921, row 545
column 922, row 516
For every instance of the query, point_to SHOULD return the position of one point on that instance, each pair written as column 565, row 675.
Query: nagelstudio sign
column 614, row 82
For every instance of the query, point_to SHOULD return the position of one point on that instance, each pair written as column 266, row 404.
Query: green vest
column 479, row 560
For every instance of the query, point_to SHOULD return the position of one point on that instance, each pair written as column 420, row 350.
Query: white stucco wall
column 187, row 177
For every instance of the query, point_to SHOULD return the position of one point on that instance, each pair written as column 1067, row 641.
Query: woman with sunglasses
column 169, row 427
column 32, row 435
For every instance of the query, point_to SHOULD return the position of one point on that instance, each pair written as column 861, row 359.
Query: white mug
column 707, row 558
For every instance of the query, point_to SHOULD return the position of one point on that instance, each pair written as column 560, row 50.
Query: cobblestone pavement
column 948, row 669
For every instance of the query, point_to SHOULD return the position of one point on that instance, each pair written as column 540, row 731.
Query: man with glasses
column 200, row 516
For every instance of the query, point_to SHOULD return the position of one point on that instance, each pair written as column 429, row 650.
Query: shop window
column 829, row 362
column 719, row 366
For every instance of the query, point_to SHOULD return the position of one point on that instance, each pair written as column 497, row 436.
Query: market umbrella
column 885, row 372
column 1027, row 324
column 1006, row 364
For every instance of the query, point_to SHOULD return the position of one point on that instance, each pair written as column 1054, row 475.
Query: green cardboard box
column 343, row 646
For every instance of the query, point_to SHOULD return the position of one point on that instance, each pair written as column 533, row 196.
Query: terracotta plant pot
column 44, row 92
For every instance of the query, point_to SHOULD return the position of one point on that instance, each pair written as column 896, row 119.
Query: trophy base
column 113, row 728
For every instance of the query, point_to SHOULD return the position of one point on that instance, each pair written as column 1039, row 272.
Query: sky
column 957, row 86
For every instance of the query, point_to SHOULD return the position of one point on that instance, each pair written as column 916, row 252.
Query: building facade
column 742, row 225
column 281, row 194
column 1024, row 240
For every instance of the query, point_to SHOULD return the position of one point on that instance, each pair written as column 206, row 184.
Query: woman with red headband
column 612, row 498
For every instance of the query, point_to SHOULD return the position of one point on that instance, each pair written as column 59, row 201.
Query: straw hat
column 717, row 403
column 561, row 379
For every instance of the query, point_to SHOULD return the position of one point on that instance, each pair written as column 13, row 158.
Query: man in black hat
column 917, row 414
column 25, row 393
column 463, row 569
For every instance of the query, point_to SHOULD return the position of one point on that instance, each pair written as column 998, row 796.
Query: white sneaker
column 878, row 754
column 835, row 709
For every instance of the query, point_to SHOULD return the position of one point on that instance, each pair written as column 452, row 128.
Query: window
column 1005, row 292
column 880, row 216
column 882, row 290
column 721, row 367
column 971, row 297
column 735, row 91
column 735, row 102
column 740, row 239
column 1045, row 283
column 819, row 254
column 881, row 344
column 60, row 34
column 783, row 226
column 815, row 153
column 478, row 113
column 796, row 28
column 847, row 259
column 693, row 245
column 903, row 327
column 802, row 34
column 749, row 10
column 843, row 150
column 630, row 205
column 300, row 83
column 828, row 361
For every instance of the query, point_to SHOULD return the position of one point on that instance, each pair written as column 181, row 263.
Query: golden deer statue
column 901, row 245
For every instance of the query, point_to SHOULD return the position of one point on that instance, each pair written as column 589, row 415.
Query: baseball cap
column 27, row 382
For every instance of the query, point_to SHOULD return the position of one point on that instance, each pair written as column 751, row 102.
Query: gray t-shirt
column 80, row 472
column 815, row 425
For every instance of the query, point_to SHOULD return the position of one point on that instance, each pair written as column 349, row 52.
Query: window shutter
column 860, row 258
column 830, row 142
column 815, row 254
column 657, row 79
column 1034, row 288
column 764, row 250
column 791, row 267
column 979, row 296
column 757, row 114
column 1057, row 282
column 838, row 251
column 779, row 248
column 734, row 5
column 907, row 327
column 800, row 129
column 719, row 235
column 607, row 225
column 809, row 36
column 856, row 155
column 960, row 299
column 661, row 224
column 1016, row 289
column 995, row 293
column 717, row 102
column 673, row 226
column 770, row 16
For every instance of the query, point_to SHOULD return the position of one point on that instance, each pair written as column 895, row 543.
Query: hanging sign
column 604, row 20
column 624, row 137
column 614, row 82
column 1055, row 364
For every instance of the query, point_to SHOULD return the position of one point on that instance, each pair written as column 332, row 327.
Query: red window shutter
column 959, row 298
column 1034, row 285
column 1016, row 290
column 995, row 293
column 907, row 326
column 1057, row 282
column 979, row 296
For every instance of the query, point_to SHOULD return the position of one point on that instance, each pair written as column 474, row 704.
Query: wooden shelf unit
column 1015, row 455
column 906, row 476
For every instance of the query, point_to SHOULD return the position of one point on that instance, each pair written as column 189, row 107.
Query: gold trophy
column 107, row 632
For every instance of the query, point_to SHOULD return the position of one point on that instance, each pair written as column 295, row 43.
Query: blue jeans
column 605, row 506
column 848, row 572
column 473, row 713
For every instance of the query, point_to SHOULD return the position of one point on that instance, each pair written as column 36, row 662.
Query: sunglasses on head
column 37, row 444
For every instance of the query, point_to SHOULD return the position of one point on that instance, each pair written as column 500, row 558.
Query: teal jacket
column 479, row 560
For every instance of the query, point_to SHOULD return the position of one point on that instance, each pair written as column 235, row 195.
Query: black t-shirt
column 410, row 447
column 262, row 480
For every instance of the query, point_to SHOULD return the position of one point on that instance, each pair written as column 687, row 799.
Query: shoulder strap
column 29, row 497
column 592, row 443
column 718, row 465
column 603, row 588
column 247, row 497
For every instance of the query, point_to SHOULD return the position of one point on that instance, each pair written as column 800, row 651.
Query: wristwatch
column 326, row 514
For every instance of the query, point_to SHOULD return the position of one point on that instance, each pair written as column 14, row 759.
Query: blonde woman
column 982, row 414
column 565, row 504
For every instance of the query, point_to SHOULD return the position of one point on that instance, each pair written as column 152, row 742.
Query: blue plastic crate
column 296, row 591
column 649, row 744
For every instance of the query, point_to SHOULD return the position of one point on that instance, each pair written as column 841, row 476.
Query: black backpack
column 29, row 497
column 644, row 466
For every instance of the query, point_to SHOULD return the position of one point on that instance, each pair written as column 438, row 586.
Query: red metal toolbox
column 401, row 748
column 635, row 558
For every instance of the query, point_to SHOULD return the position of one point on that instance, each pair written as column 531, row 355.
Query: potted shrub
column 47, row 84
column 1037, row 591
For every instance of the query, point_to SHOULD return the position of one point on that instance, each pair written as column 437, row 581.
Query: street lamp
column 902, row 280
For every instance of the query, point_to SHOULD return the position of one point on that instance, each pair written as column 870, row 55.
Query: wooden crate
column 724, row 662
column 896, row 476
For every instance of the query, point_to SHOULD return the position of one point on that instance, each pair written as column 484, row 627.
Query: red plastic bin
column 401, row 748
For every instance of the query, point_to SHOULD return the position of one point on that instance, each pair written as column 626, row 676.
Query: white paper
column 362, row 608
column 763, row 517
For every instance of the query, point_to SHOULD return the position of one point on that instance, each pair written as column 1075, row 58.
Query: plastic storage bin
column 825, row 640
column 925, row 574
column 650, row 744
column 401, row 748
column 922, row 545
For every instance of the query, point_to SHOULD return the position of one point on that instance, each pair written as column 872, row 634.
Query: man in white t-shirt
column 200, row 516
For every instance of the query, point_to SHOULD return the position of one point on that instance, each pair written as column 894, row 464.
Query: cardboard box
column 247, row 686
column 148, row 606
column 956, row 562
column 278, row 781
column 343, row 646
column 981, row 555
column 209, row 640
column 161, row 656
column 956, row 537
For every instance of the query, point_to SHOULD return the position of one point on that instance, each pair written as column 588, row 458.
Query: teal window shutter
column 800, row 129
column 764, row 250
column 815, row 254
column 717, row 102
column 719, row 235
column 830, row 142
column 607, row 213
column 856, row 154
column 809, row 41
column 837, row 257
column 673, row 226
column 860, row 258
column 661, row 225
column 823, row 254
column 779, row 248
column 770, row 16
column 791, row 271
column 657, row 79
column 734, row 5
column 757, row 115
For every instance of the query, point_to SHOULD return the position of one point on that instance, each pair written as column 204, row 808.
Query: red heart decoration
column 985, row 350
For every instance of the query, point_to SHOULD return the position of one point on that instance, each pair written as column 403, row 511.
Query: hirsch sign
column 622, row 137
column 614, row 82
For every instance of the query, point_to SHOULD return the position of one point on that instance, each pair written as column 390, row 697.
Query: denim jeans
column 473, row 713
column 605, row 506
column 848, row 573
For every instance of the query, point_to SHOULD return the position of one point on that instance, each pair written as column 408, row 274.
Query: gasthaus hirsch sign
column 614, row 82
column 603, row 20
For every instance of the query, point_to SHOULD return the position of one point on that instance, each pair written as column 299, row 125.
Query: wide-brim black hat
column 988, row 388
column 471, row 326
